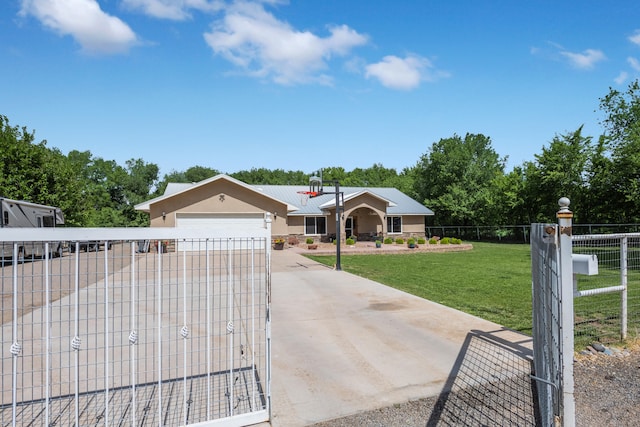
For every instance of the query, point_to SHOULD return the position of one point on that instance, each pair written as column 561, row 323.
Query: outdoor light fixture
column 164, row 215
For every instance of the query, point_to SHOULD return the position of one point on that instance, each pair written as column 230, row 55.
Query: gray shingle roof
column 399, row 203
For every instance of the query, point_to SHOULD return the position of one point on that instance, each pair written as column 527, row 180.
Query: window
column 6, row 217
column 48, row 221
column 315, row 225
column 394, row 224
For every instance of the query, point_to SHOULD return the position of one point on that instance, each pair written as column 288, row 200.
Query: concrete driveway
column 343, row 344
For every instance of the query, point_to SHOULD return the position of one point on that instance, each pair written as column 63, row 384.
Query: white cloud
column 621, row 78
column 177, row 10
column 635, row 64
column 635, row 38
column 403, row 74
column 585, row 60
column 254, row 40
column 95, row 30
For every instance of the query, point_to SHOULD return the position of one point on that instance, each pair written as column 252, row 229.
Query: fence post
column 623, row 282
column 565, row 218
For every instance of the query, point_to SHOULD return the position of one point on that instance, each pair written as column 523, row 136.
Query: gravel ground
column 607, row 389
column 607, row 393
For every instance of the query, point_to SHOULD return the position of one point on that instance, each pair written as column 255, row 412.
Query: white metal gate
column 127, row 337
column 552, row 305
column 546, row 293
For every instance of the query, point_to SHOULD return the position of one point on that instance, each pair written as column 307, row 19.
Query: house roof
column 174, row 189
column 397, row 202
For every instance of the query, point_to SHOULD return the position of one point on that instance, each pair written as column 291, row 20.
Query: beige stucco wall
column 370, row 215
column 413, row 225
column 296, row 225
column 219, row 196
column 222, row 196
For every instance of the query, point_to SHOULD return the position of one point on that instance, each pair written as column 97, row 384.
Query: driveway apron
column 342, row 344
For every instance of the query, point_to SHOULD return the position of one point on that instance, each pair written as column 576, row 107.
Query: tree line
column 461, row 178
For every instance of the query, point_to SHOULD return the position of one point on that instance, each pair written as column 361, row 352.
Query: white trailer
column 21, row 214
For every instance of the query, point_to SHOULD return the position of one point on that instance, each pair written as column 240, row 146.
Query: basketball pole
column 319, row 191
column 336, row 184
column 338, row 193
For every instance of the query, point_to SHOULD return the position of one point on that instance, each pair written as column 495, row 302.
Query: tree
column 36, row 173
column 457, row 177
column 334, row 173
column 193, row 174
column 510, row 205
column 622, row 115
column 268, row 177
column 561, row 170
column 110, row 191
column 374, row 176
column 621, row 145
column 601, row 193
column 140, row 180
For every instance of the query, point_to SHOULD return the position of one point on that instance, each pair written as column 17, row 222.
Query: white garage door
column 236, row 225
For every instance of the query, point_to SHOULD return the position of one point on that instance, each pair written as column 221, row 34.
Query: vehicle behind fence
column 132, row 333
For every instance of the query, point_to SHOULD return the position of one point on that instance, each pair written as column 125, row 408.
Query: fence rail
column 120, row 336
column 518, row 233
column 607, row 305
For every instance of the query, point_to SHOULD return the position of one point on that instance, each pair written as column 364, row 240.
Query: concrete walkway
column 343, row 344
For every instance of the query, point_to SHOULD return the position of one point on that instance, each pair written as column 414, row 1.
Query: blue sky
column 300, row 85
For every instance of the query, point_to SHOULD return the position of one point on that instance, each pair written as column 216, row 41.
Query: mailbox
column 585, row 264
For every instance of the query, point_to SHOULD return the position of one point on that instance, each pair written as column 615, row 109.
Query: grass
column 492, row 281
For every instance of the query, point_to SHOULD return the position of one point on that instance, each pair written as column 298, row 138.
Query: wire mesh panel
column 547, row 320
column 490, row 384
column 120, row 336
column 608, row 307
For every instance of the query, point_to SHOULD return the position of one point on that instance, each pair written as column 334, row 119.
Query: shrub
column 421, row 241
column 309, row 240
column 399, row 240
column 350, row 241
column 388, row 240
column 433, row 241
column 456, row 241
column 445, row 241
column 411, row 241
column 354, row 238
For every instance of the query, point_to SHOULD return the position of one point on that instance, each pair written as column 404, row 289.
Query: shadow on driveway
column 489, row 384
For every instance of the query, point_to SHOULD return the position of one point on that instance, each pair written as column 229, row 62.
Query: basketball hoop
column 304, row 196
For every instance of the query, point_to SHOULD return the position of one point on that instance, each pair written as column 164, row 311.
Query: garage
column 233, row 223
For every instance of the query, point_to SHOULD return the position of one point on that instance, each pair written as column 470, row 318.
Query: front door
column 350, row 227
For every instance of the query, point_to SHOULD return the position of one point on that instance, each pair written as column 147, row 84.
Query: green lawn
column 492, row 281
